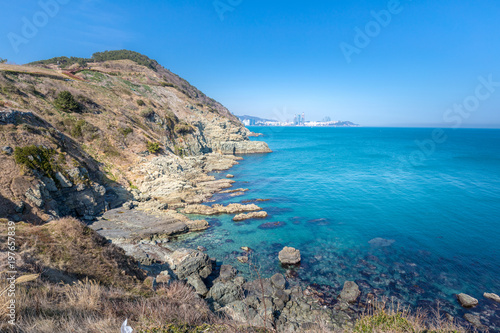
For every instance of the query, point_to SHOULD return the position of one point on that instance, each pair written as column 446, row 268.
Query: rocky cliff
column 81, row 140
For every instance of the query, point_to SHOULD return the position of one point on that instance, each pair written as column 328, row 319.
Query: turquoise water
column 367, row 204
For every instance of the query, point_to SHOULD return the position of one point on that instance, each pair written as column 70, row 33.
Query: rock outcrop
column 253, row 215
column 289, row 256
column 467, row 301
column 220, row 209
column 493, row 297
column 350, row 292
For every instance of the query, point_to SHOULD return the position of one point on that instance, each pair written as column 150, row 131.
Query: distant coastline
column 299, row 121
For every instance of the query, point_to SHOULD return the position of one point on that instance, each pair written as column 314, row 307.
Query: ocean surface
column 403, row 212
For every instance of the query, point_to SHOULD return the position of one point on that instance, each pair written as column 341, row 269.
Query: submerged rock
column 381, row 242
column 475, row 320
column 467, row 301
column 242, row 259
column 350, row 292
column 289, row 256
column 271, row 225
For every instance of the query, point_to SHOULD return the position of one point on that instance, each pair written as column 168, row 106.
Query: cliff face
column 130, row 129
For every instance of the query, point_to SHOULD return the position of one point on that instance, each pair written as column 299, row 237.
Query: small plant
column 36, row 158
column 66, row 102
column 125, row 131
column 183, row 128
column 3, row 61
column 140, row 102
column 148, row 113
column 153, row 147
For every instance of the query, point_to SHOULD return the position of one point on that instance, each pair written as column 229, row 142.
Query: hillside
column 102, row 126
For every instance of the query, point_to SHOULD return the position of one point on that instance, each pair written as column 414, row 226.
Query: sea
column 409, row 214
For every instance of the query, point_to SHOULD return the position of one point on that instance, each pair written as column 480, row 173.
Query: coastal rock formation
column 254, row 215
column 467, row 301
column 186, row 262
column 493, row 297
column 350, row 292
column 220, row 209
column 289, row 256
column 249, row 147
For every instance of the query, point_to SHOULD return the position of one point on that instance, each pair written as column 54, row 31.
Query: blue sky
column 275, row 59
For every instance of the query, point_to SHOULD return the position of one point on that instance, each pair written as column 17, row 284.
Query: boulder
column 7, row 150
column 350, row 292
column 198, row 285
column 63, row 181
column 225, row 293
column 467, row 301
column 197, row 225
column 278, row 281
column 254, row 215
column 185, row 262
column 493, row 297
column 227, row 273
column 229, row 175
column 163, row 278
column 289, row 256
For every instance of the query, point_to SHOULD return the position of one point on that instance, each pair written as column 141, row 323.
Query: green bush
column 125, row 131
column 3, row 61
column 384, row 322
column 153, row 147
column 183, row 128
column 36, row 158
column 140, row 102
column 66, row 102
column 148, row 113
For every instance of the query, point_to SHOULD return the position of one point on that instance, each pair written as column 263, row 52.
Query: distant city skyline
column 373, row 62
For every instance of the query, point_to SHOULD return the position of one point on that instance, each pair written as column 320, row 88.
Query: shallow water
column 358, row 209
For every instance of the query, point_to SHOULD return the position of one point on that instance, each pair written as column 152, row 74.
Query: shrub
column 66, row 102
column 148, row 113
column 3, row 61
column 140, row 102
column 125, row 131
column 153, row 147
column 36, row 158
column 183, row 128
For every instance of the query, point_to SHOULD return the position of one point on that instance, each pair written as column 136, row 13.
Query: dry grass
column 382, row 317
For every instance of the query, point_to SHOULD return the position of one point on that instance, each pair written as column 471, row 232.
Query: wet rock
column 234, row 191
column 493, row 297
column 467, row 301
column 242, row 259
column 475, row 320
column 246, row 248
column 271, row 225
column 186, row 262
column 254, row 215
column 202, row 249
column 198, row 285
column 7, row 150
column 350, row 292
column 289, row 256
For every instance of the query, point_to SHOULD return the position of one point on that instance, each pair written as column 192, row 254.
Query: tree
column 3, row 61
column 66, row 102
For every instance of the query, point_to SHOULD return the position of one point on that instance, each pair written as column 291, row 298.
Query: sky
column 375, row 63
